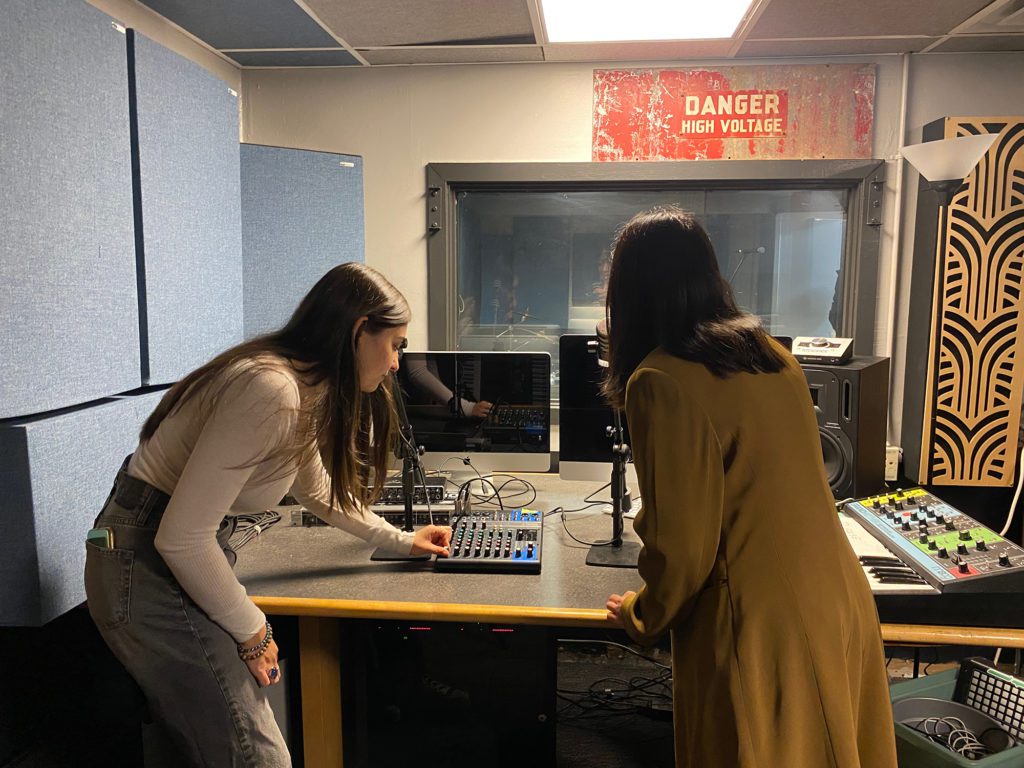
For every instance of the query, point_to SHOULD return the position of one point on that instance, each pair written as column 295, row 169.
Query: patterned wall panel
column 56, row 472
column 302, row 213
column 69, row 324
column 975, row 380
column 188, row 220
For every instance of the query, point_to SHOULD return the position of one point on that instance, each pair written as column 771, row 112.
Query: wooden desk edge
column 593, row 618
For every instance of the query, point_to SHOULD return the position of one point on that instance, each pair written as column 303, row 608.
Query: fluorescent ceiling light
column 591, row 21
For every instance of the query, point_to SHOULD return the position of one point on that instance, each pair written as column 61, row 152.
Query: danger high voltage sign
column 733, row 114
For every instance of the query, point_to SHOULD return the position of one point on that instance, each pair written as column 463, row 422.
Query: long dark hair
column 352, row 430
column 665, row 290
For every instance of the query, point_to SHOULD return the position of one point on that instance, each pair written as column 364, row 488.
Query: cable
column 616, row 645
column 249, row 526
column 1016, row 495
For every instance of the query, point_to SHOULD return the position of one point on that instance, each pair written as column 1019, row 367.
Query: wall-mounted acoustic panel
column 302, row 213
column 188, row 225
column 965, row 348
column 69, row 326
column 56, row 472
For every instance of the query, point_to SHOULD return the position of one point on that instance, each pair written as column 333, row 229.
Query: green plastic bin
column 914, row 750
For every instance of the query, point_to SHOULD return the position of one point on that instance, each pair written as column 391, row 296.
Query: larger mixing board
column 502, row 541
column 947, row 548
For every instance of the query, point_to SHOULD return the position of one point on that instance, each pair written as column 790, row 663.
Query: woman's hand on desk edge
column 614, row 606
column 431, row 540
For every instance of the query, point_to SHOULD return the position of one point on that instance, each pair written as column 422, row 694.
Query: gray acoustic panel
column 188, row 236
column 55, row 474
column 335, row 58
column 971, row 43
column 302, row 213
column 453, row 54
column 69, row 326
column 833, row 47
column 245, row 23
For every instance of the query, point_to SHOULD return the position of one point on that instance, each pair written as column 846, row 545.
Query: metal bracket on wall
column 433, row 209
column 874, row 212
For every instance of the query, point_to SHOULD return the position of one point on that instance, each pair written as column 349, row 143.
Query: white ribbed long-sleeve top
column 213, row 462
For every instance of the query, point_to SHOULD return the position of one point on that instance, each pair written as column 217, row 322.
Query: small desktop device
column 819, row 349
column 491, row 407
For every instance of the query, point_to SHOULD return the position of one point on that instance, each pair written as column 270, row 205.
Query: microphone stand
column 617, row 553
column 410, row 454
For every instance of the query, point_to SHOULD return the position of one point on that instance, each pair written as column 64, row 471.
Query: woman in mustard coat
column 776, row 650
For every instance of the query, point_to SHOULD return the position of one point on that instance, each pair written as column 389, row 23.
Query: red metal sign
column 736, row 113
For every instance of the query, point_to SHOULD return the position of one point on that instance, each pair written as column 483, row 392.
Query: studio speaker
column 851, row 402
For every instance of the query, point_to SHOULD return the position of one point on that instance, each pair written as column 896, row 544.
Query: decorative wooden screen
column 975, row 379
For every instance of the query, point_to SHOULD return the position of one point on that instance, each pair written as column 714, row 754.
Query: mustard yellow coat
column 776, row 649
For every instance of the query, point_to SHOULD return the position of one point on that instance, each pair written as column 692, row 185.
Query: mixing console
column 503, row 541
column 948, row 549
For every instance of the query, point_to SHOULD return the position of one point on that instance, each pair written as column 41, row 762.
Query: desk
column 320, row 574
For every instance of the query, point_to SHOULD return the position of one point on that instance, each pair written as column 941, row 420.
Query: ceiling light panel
column 579, row 21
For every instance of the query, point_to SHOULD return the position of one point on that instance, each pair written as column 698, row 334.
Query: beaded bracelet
column 248, row 654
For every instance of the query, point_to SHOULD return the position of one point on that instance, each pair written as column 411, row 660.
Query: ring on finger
column 273, row 673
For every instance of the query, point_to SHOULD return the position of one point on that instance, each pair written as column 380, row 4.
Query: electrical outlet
column 893, row 455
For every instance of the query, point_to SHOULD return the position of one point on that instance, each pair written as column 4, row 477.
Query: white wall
column 944, row 85
column 137, row 16
column 402, row 118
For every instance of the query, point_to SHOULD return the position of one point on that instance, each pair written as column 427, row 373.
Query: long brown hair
column 665, row 290
column 352, row 430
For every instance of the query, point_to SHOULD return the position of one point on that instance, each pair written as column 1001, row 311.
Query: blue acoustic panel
column 337, row 58
column 55, row 474
column 245, row 23
column 302, row 213
column 188, row 222
column 69, row 325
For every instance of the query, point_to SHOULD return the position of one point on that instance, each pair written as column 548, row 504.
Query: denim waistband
column 145, row 502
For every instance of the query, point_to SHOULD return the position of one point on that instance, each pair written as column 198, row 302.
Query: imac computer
column 492, row 407
column 584, row 445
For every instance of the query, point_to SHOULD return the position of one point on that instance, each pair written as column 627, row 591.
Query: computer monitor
column 584, row 446
column 447, row 395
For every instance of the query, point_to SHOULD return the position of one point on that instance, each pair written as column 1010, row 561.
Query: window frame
column 862, row 179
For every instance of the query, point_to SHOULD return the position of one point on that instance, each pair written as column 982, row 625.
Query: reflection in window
column 533, row 265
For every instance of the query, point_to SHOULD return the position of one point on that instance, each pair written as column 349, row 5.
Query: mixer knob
column 1004, row 560
column 940, row 518
column 906, row 525
column 911, row 501
column 876, row 503
column 923, row 538
column 932, row 545
column 899, row 505
column 924, row 508
column 961, row 548
column 963, row 567
column 965, row 535
column 982, row 546
column 950, row 526
column 942, row 552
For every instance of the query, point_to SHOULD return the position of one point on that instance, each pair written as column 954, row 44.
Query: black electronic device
column 950, row 550
column 495, row 541
column 819, row 349
column 851, row 403
column 433, row 491
column 492, row 406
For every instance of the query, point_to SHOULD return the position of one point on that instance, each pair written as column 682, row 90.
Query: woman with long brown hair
column 303, row 410
column 776, row 651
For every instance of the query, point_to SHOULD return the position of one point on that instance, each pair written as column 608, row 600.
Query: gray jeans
column 187, row 666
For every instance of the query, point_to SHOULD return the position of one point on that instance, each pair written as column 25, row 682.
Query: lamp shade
column 948, row 159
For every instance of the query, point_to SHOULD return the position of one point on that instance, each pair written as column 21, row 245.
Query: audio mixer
column 495, row 541
column 948, row 549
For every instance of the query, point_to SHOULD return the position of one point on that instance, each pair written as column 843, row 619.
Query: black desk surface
column 323, row 571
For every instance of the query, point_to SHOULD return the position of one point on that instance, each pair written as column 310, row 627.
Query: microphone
column 602, row 343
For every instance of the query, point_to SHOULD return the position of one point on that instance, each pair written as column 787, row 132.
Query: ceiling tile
column 867, row 18
column 839, row 47
column 369, row 23
column 245, row 23
column 982, row 43
column 638, row 51
column 336, row 58
column 432, row 54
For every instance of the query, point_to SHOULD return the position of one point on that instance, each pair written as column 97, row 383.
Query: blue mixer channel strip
column 900, row 543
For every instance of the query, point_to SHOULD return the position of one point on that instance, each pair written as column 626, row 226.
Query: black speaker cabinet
column 851, row 402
